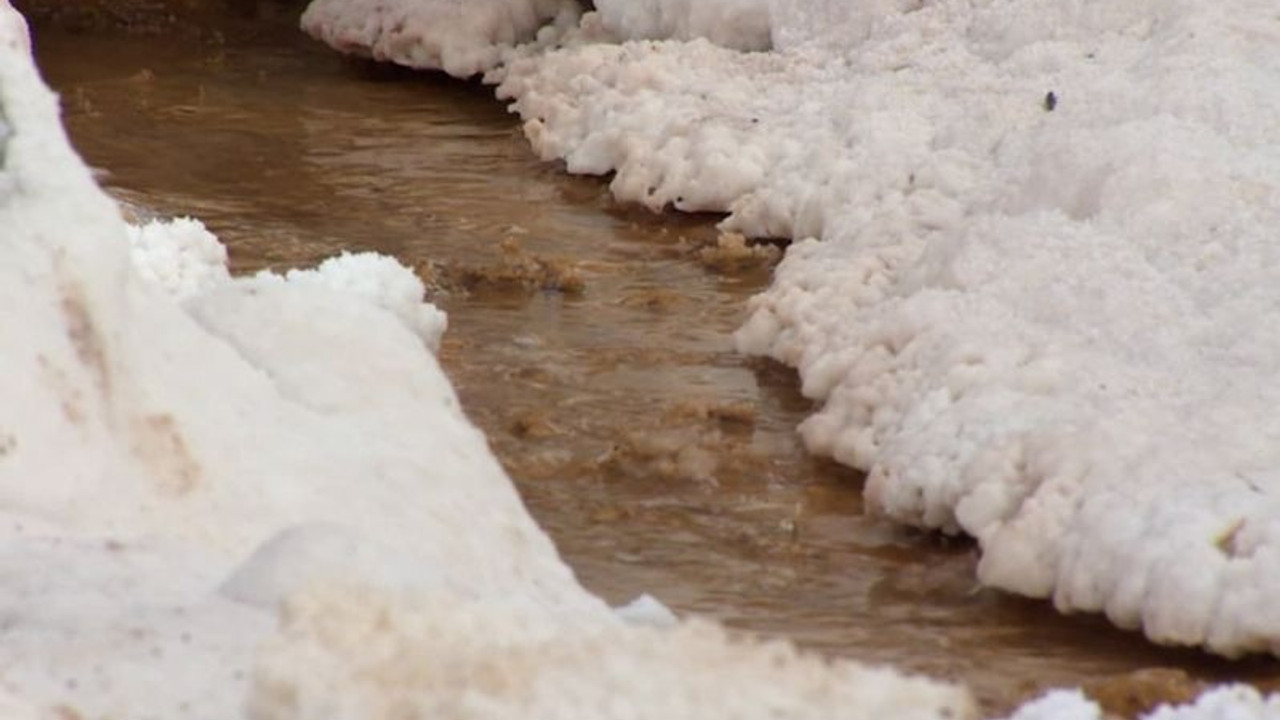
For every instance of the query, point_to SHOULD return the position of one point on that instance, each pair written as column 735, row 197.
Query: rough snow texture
column 1036, row 308
column 1059, row 705
column 742, row 24
column 380, row 280
column 1235, row 702
column 180, row 256
column 345, row 654
column 1228, row 703
column 460, row 37
column 182, row 453
column 184, row 259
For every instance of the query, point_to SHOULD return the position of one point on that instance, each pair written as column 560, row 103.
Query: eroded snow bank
column 1042, row 258
column 183, row 454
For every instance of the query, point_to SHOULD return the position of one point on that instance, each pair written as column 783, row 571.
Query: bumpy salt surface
column 183, row 453
column 461, row 37
column 1035, row 306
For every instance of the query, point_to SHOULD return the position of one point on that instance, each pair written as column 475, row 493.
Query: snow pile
column 1234, row 702
column 470, row 37
column 184, row 259
column 1059, row 705
column 460, row 37
column 190, row 451
column 380, row 280
column 1036, row 311
column 180, row 256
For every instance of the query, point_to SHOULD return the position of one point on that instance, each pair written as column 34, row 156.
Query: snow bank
column 1234, row 702
column 183, row 453
column 179, row 256
column 470, row 37
column 346, row 654
column 380, row 280
column 460, row 37
column 1042, row 254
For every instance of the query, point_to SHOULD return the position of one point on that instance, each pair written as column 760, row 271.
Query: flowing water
column 590, row 341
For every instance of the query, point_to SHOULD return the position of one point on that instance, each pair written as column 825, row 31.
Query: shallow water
column 590, row 342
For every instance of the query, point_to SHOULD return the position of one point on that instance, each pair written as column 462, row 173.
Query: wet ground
column 590, row 341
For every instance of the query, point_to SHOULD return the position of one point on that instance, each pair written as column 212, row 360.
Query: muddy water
column 590, row 341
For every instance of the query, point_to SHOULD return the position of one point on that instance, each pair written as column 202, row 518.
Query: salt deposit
column 193, row 452
column 1040, row 243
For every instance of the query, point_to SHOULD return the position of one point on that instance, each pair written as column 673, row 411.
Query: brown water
column 658, row 459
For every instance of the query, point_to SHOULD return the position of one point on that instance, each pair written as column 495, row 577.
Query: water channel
column 590, row 341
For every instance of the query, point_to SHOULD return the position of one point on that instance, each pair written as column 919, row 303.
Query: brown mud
column 592, row 344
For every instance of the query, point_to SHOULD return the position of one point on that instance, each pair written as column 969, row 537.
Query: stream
column 592, row 344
